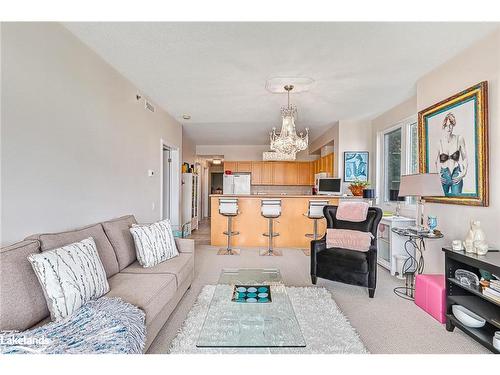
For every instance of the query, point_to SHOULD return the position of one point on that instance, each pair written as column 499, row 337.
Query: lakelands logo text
column 13, row 338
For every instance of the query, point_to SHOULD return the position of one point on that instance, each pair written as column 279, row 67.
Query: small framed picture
column 356, row 166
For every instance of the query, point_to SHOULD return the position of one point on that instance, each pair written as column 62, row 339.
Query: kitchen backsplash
column 289, row 190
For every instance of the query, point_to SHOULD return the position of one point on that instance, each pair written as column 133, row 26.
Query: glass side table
column 414, row 264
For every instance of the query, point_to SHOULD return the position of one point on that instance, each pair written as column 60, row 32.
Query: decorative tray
column 251, row 294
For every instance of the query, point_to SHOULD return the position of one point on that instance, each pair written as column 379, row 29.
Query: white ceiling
column 217, row 72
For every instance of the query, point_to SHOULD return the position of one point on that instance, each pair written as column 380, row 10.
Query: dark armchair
column 347, row 266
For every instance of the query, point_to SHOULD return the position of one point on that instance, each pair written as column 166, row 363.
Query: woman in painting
column 451, row 161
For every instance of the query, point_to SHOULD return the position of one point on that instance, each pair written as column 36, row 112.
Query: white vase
column 477, row 231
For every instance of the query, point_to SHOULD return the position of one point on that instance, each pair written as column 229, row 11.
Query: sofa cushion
column 49, row 241
column 154, row 243
column 22, row 303
column 70, row 276
column 149, row 292
column 118, row 233
column 181, row 267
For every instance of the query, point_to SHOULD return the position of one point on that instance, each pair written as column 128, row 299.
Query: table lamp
column 394, row 196
column 421, row 185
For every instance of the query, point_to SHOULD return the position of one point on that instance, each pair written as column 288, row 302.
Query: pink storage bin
column 430, row 295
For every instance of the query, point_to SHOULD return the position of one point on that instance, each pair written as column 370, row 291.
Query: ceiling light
column 216, row 162
column 186, row 116
column 287, row 141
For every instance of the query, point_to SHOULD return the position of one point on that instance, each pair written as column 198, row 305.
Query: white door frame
column 175, row 182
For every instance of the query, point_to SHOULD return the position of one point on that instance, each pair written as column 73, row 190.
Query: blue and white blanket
column 103, row 326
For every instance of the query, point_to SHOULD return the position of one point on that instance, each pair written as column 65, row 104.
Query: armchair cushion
column 348, row 239
column 334, row 257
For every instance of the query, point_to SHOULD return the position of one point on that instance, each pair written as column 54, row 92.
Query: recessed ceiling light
column 185, row 116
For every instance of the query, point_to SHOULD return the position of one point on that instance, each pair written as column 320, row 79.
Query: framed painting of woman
column 453, row 142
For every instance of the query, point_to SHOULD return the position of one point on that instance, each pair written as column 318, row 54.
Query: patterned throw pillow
column 70, row 276
column 154, row 243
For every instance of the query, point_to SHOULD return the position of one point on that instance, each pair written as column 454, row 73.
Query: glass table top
column 243, row 324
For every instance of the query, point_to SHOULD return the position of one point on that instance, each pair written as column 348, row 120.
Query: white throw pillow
column 154, row 243
column 70, row 276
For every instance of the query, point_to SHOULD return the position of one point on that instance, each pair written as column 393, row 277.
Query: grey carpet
column 386, row 323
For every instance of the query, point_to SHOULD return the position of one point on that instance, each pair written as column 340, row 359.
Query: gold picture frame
column 461, row 159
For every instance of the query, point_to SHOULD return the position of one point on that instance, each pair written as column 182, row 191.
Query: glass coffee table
column 257, row 324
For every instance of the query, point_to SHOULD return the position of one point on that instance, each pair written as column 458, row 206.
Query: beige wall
column 76, row 146
column 188, row 149
column 395, row 115
column 354, row 135
column 480, row 62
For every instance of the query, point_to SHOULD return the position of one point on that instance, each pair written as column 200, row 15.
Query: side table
column 415, row 262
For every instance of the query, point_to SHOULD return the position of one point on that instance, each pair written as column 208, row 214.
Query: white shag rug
column 325, row 329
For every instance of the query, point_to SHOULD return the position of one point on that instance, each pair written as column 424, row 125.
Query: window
column 392, row 161
column 399, row 156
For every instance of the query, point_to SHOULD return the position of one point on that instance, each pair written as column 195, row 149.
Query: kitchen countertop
column 280, row 196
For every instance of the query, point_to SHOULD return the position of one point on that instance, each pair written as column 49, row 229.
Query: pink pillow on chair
column 348, row 239
column 352, row 211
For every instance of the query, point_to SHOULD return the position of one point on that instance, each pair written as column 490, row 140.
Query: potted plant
column 357, row 187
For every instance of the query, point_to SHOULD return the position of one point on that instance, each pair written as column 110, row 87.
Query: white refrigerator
column 190, row 201
column 237, row 184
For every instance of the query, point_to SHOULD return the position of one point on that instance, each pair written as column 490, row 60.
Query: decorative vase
column 357, row 191
column 477, row 231
column 481, row 247
column 432, row 222
column 469, row 246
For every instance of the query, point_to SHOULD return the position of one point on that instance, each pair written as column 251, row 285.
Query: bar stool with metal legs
column 271, row 210
column 229, row 207
column 315, row 213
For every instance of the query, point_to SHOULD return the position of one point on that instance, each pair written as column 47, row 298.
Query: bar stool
column 315, row 213
column 271, row 209
column 229, row 207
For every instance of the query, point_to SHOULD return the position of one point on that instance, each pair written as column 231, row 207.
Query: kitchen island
column 292, row 225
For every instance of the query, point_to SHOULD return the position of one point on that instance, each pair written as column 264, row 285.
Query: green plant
column 360, row 183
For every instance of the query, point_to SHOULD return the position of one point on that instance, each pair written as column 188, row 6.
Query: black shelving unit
column 472, row 298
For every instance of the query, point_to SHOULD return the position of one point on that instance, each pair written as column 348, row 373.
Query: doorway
column 166, row 182
column 216, row 185
column 170, row 182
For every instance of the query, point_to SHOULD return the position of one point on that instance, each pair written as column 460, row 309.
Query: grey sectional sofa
column 156, row 290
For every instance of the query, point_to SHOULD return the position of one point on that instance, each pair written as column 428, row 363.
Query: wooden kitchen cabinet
column 279, row 173
column 257, row 172
column 244, row 166
column 276, row 172
column 231, row 166
column 329, row 164
column 291, row 173
column 304, row 173
column 278, row 169
column 267, row 173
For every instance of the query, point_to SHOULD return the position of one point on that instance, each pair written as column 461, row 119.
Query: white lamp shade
column 421, row 185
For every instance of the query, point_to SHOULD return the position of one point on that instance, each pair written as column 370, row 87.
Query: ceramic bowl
column 467, row 317
column 496, row 340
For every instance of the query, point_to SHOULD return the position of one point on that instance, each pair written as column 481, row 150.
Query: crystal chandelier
column 287, row 141
column 277, row 156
